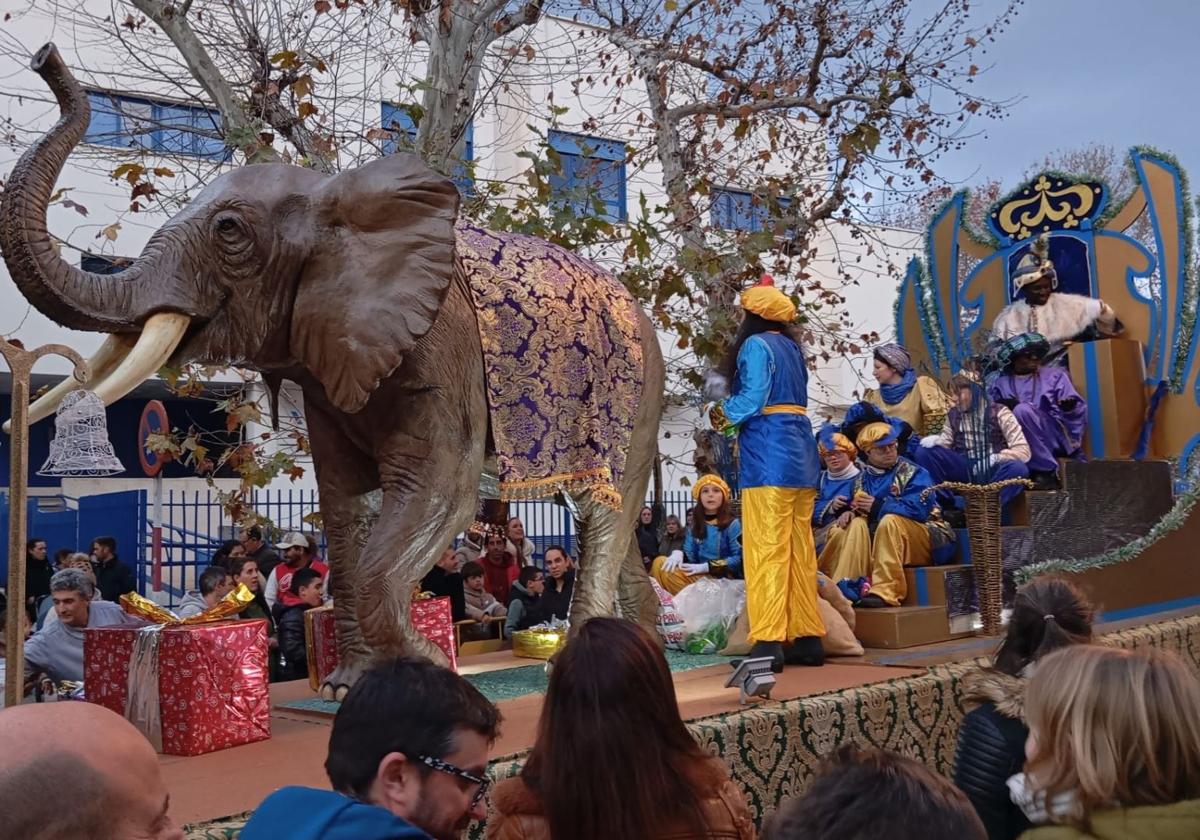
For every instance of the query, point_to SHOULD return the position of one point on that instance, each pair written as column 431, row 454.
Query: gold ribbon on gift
column 227, row 607
column 142, row 707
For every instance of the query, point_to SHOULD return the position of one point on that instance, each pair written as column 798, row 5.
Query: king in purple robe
column 1051, row 412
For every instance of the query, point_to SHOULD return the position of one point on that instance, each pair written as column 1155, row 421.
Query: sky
column 1110, row 72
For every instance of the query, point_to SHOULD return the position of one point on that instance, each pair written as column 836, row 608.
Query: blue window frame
column 592, row 169
column 738, row 210
column 394, row 118
column 100, row 264
column 127, row 122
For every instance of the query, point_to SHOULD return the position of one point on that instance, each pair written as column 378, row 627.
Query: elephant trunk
column 72, row 297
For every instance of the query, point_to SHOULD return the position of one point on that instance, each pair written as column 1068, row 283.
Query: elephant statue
column 427, row 351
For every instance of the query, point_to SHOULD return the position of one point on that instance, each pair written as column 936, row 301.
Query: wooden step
column 927, row 584
column 901, row 627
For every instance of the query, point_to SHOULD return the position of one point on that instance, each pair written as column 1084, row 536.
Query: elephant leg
column 348, row 525
column 599, row 563
column 635, row 597
column 417, row 521
column 350, row 504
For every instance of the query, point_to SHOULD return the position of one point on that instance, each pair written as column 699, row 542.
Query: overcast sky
column 1118, row 73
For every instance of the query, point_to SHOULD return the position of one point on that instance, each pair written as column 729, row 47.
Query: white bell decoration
column 80, row 446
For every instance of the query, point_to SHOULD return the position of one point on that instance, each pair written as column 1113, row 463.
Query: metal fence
column 194, row 524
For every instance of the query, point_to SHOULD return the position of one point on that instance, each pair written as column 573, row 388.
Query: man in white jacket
column 1039, row 308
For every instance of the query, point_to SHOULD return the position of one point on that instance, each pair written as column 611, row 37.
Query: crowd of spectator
column 77, row 590
column 1090, row 742
column 1063, row 739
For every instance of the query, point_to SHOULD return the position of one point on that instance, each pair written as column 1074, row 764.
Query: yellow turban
column 713, row 481
column 768, row 302
column 836, row 442
column 875, row 434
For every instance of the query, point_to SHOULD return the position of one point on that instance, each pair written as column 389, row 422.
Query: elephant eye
column 227, row 223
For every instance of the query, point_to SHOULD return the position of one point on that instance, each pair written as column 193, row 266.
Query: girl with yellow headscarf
column 714, row 540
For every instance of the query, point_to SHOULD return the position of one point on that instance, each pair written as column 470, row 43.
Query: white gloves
column 930, row 441
column 716, row 386
column 695, row 568
column 674, row 561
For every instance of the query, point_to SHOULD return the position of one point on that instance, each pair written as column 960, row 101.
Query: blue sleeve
column 731, row 548
column 908, row 504
column 826, row 493
column 753, row 382
column 691, row 548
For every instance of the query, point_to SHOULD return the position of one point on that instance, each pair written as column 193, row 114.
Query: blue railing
column 194, row 525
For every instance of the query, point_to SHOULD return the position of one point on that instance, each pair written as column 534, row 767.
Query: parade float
column 1123, row 519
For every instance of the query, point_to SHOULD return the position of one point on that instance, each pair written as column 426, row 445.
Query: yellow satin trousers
column 850, row 553
column 674, row 581
column 780, row 563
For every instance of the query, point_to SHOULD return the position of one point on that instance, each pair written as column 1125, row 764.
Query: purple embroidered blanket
column 563, row 360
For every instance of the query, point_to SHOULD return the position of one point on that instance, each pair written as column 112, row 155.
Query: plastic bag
column 710, row 608
column 667, row 622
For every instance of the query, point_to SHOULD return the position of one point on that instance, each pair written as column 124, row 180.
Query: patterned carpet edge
column 773, row 749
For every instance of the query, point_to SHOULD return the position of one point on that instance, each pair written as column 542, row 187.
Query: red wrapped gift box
column 430, row 616
column 212, row 682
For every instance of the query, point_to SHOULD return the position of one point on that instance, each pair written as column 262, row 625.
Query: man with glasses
column 407, row 759
column 884, row 528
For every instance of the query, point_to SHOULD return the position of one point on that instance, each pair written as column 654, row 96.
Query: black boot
column 771, row 649
column 806, row 650
column 871, row 601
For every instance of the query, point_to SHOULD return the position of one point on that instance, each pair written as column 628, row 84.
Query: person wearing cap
column 836, row 488
column 1044, row 401
column 983, row 439
column 885, row 530
column 296, row 555
column 715, row 538
column 1038, row 307
column 778, row 476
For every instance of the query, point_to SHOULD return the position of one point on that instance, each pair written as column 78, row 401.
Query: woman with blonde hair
column 1048, row 613
column 1114, row 746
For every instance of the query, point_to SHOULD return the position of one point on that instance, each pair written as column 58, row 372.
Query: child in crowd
column 481, row 604
column 306, row 587
column 919, row 804
column 714, row 538
column 525, row 600
column 1114, row 746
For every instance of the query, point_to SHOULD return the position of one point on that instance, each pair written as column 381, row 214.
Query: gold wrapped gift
column 538, row 644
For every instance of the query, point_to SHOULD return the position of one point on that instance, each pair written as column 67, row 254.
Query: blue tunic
column 897, row 491
column 828, row 490
column 718, row 544
column 775, row 450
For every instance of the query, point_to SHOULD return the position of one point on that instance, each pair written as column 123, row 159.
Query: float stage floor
column 208, row 787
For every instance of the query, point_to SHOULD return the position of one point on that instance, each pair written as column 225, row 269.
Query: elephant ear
column 382, row 259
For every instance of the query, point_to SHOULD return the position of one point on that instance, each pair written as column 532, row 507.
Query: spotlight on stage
column 753, row 678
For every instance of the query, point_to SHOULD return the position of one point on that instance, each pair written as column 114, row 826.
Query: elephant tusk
column 158, row 340
column 101, row 364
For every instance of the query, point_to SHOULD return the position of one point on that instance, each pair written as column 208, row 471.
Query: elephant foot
column 338, row 684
